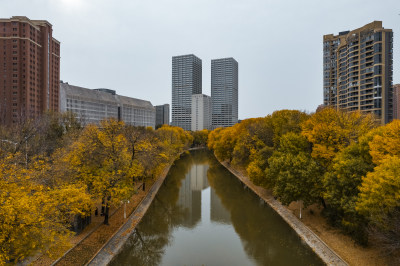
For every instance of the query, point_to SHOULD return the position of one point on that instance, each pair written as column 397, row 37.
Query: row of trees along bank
column 52, row 169
column 344, row 161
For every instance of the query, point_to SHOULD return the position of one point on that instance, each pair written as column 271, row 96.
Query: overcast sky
column 127, row 45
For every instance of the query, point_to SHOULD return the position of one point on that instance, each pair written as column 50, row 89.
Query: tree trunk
column 107, row 211
column 323, row 202
column 102, row 206
column 133, row 154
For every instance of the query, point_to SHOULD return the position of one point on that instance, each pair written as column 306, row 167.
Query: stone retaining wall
column 313, row 241
column 117, row 241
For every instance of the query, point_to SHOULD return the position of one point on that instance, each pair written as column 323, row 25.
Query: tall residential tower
column 224, row 92
column 358, row 70
column 186, row 80
column 30, row 69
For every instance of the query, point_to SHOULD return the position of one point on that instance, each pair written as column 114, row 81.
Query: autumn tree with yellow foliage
column 344, row 158
column 53, row 169
column 101, row 160
column 200, row 138
column 35, row 217
column 330, row 131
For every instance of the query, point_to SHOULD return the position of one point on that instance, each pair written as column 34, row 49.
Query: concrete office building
column 162, row 115
column 396, row 101
column 358, row 70
column 224, row 92
column 93, row 106
column 186, row 80
column 201, row 112
column 30, row 69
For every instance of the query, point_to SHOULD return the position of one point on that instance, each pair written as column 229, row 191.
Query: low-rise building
column 93, row 106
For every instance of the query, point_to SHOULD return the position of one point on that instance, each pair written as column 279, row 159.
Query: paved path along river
column 203, row 215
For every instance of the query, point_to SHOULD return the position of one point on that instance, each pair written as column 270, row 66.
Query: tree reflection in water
column 264, row 234
column 146, row 246
column 265, row 237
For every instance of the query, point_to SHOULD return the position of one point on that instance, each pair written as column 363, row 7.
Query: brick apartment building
column 30, row 69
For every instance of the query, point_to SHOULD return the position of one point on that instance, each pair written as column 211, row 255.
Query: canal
column 202, row 215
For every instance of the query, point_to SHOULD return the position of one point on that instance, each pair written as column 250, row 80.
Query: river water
column 202, row 215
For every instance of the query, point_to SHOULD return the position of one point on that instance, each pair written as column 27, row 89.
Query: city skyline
column 142, row 37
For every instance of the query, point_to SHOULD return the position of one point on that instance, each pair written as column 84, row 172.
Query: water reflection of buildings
column 218, row 213
column 190, row 197
column 190, row 193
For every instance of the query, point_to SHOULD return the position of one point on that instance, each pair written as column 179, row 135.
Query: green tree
column 285, row 121
column 293, row 174
column 341, row 186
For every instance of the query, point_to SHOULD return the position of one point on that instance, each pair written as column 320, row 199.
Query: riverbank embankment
column 327, row 255
column 96, row 236
column 115, row 244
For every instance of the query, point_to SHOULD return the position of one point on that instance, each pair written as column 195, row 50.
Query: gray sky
column 127, row 45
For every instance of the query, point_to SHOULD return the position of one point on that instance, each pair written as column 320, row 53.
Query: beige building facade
column 358, row 70
column 201, row 112
column 396, row 101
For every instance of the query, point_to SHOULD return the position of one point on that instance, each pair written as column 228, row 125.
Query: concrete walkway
column 117, row 241
column 313, row 241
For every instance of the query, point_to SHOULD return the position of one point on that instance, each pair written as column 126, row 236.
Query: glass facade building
column 186, row 80
column 162, row 115
column 224, row 92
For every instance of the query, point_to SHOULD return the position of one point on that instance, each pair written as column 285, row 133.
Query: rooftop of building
column 105, row 95
column 32, row 22
column 224, row 59
column 26, row 19
column 200, row 95
column 375, row 25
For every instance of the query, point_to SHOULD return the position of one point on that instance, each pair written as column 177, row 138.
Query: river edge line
column 327, row 255
column 116, row 242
